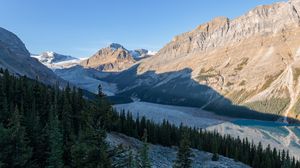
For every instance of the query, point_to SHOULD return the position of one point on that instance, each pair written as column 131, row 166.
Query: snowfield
column 163, row 157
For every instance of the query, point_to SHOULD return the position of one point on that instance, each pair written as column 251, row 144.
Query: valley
column 279, row 135
column 227, row 91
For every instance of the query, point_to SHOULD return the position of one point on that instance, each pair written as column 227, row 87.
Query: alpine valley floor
column 279, row 135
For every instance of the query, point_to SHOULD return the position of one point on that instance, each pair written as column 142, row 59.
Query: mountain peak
column 48, row 54
column 115, row 46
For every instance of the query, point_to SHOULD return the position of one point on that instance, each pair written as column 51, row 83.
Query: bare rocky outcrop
column 114, row 58
column 163, row 157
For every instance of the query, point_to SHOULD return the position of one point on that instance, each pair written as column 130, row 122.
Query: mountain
column 51, row 57
column 89, row 73
column 251, row 61
column 114, row 58
column 15, row 57
column 56, row 61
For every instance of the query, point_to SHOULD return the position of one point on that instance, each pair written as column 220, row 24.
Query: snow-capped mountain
column 115, row 58
column 57, row 61
column 51, row 57
column 87, row 73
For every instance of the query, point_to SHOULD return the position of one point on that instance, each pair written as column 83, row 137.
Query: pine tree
column 144, row 161
column 215, row 147
column 256, row 161
column 5, row 146
column 38, row 135
column 67, row 127
column 184, row 154
column 90, row 150
column 20, row 152
column 104, row 110
column 55, row 159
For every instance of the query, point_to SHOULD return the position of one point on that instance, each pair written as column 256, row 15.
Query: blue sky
column 81, row 27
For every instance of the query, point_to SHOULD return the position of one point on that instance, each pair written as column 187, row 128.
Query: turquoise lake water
column 270, row 126
column 245, row 122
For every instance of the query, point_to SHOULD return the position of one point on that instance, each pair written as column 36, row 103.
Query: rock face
column 114, row 58
column 253, row 60
column 15, row 57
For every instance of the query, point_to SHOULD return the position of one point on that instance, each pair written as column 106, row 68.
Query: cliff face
column 15, row 57
column 253, row 60
column 264, row 20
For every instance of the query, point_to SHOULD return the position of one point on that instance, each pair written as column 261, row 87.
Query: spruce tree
column 55, row 159
column 19, row 151
column 184, row 154
column 90, row 149
column 144, row 161
column 215, row 147
column 5, row 146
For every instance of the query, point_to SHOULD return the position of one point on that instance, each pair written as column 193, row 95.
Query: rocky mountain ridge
column 252, row 61
column 114, row 58
column 15, row 57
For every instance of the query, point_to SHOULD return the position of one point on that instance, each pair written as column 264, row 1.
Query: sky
column 81, row 27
